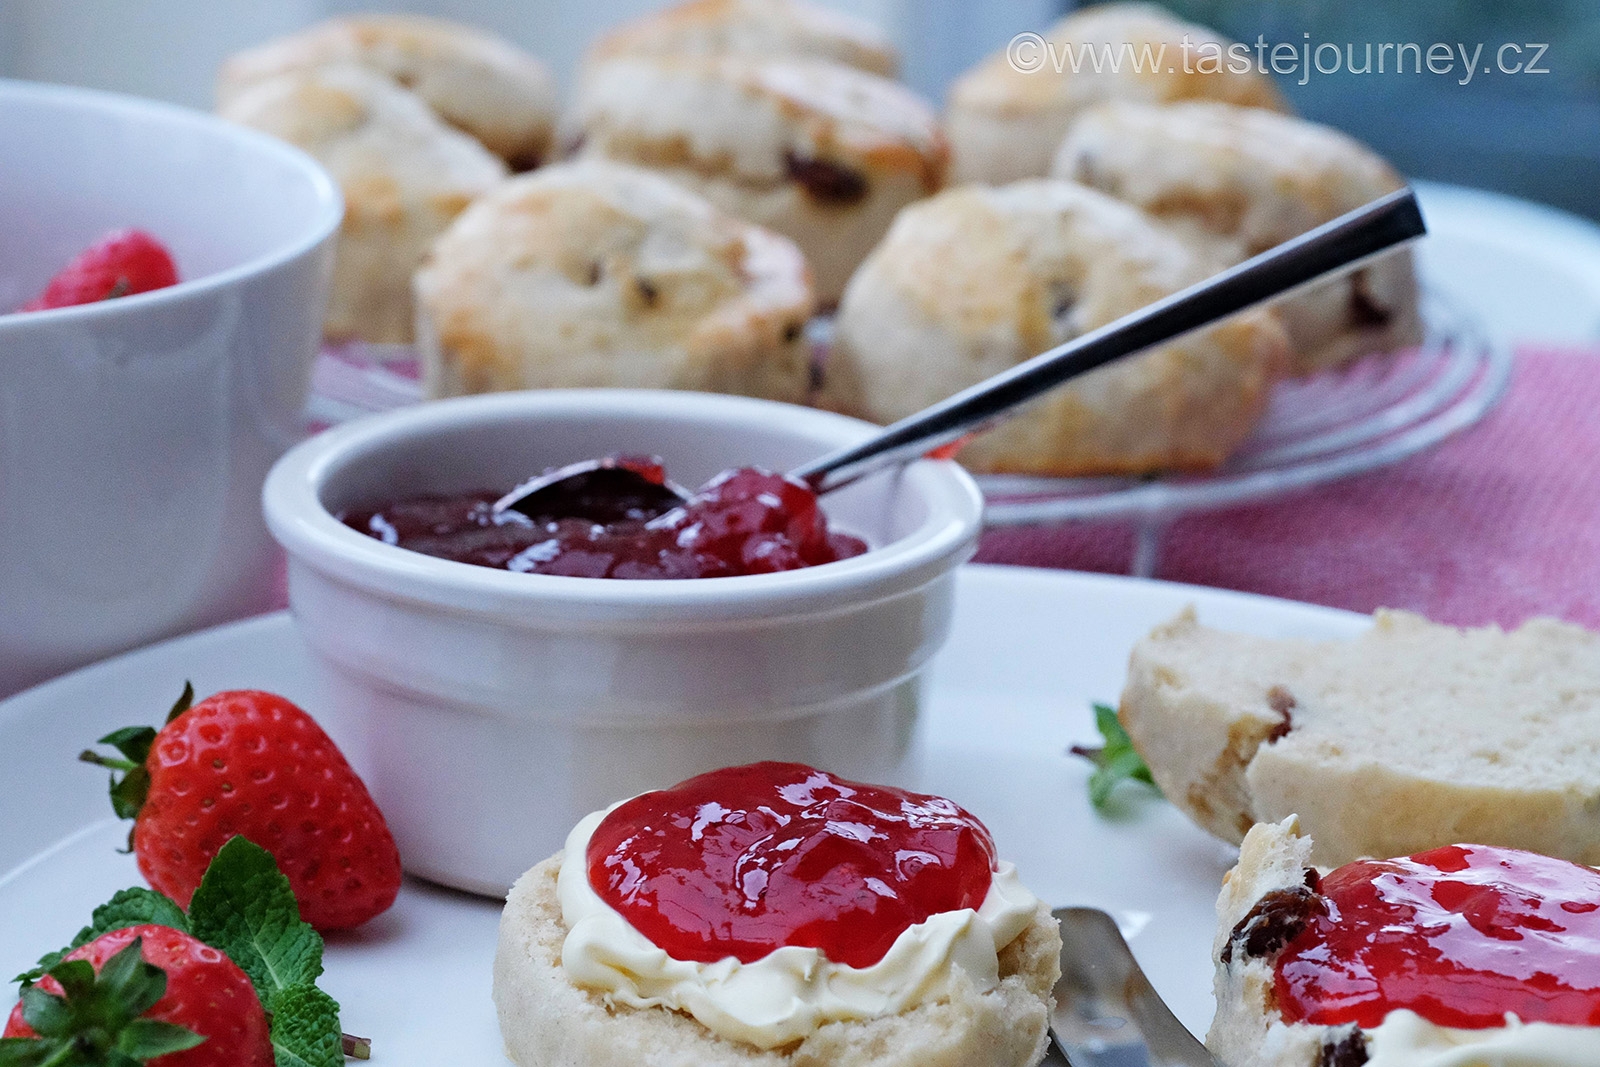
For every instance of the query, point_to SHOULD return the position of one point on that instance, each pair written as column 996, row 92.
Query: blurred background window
column 1531, row 134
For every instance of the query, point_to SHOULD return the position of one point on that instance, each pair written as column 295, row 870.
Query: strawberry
column 253, row 764
column 143, row 994
column 119, row 264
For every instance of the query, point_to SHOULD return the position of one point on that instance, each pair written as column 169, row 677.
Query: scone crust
column 478, row 82
column 405, row 176
column 768, row 29
column 547, row 1021
column 1412, row 736
column 1234, row 181
column 822, row 153
column 976, row 280
column 1005, row 124
column 595, row 274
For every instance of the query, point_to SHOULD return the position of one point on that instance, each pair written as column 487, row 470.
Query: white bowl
column 498, row 708
column 135, row 433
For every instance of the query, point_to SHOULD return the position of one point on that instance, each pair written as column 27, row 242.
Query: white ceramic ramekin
column 498, row 708
column 135, row 433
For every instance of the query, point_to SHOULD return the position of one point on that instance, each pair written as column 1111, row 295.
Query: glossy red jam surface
column 745, row 860
column 1460, row 935
column 745, row 521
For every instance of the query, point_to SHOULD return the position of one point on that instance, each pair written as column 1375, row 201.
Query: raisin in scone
column 477, row 82
column 764, row 29
column 820, row 152
column 1462, row 956
column 602, row 964
column 1005, row 123
column 405, row 176
column 598, row 274
column 1411, row 736
column 1238, row 180
column 979, row 279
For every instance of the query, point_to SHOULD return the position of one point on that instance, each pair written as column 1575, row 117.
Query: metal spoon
column 1105, row 1013
column 1340, row 245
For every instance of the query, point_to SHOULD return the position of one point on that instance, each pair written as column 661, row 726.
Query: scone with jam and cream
column 775, row 915
column 1463, row 956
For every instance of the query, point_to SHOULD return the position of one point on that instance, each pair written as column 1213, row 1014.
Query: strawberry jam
column 746, row 860
column 745, row 521
column 1460, row 935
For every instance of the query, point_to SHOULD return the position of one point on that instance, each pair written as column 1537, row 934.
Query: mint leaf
column 245, row 908
column 1116, row 761
column 305, row 1029
column 128, row 907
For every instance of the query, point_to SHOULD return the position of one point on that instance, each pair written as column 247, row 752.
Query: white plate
column 1007, row 696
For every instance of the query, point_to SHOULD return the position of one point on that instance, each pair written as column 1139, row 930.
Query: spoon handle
column 1343, row 244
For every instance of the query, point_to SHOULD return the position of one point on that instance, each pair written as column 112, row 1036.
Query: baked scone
column 475, row 81
column 766, row 29
column 1005, row 123
column 980, row 278
column 598, row 274
column 1402, row 1005
column 1410, row 736
column 822, row 153
column 552, row 1014
column 1238, row 180
column 404, row 174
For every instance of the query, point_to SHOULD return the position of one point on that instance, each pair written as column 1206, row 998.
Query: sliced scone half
column 1411, row 736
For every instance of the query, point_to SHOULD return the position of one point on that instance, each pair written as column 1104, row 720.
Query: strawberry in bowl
column 121, row 263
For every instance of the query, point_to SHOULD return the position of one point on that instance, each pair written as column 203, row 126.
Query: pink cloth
column 1496, row 525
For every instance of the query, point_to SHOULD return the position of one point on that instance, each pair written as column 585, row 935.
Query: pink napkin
column 1496, row 525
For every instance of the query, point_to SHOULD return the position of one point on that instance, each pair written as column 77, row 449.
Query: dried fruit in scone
column 404, row 173
column 1461, row 956
column 762, row 29
column 473, row 80
column 1237, row 180
column 598, row 274
column 822, row 153
column 1006, row 116
column 979, row 279
column 1410, row 736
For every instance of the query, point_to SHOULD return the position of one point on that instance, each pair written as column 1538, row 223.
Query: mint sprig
column 1115, row 761
column 245, row 908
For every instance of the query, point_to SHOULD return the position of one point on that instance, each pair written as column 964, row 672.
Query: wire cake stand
column 1316, row 430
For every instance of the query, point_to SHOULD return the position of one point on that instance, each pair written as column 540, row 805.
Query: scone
column 819, row 152
column 766, row 29
column 405, row 176
column 979, row 279
column 598, row 274
column 1005, row 123
column 1410, row 736
column 1464, row 956
column 1238, row 180
column 757, row 877
column 473, row 80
